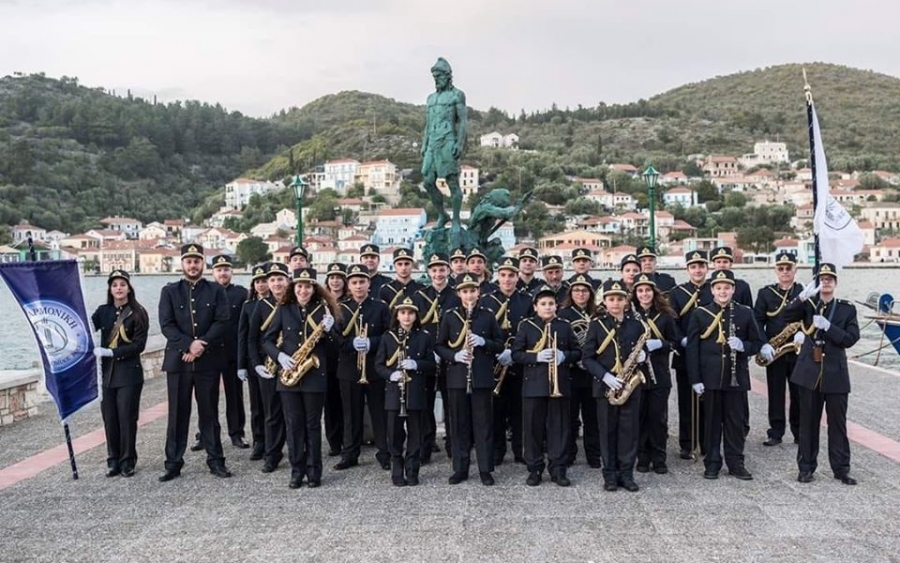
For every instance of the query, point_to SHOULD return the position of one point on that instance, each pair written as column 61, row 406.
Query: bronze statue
column 494, row 209
column 443, row 144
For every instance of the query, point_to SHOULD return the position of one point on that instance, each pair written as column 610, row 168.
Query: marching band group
column 533, row 359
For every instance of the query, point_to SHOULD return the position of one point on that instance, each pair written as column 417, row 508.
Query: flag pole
column 812, row 166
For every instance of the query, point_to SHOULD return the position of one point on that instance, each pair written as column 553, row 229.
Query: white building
column 685, row 197
column 20, row 232
column 468, row 180
column 398, row 227
column 152, row 231
column 380, row 176
column 339, row 175
column 506, row 234
column 238, row 192
column 498, row 141
column 131, row 227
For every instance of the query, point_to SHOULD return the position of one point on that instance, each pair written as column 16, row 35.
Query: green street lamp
column 299, row 185
column 650, row 178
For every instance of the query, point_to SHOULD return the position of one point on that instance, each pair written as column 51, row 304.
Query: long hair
column 590, row 309
column 320, row 294
column 395, row 322
column 660, row 302
column 141, row 318
column 252, row 294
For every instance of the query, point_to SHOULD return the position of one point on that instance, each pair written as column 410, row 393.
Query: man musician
column 552, row 267
column 664, row 282
column 370, row 257
column 722, row 258
column 402, row 286
column 528, row 263
column 582, row 261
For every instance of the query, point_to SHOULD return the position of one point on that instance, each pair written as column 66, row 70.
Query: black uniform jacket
column 432, row 304
column 236, row 296
column 579, row 321
column 608, row 345
column 708, row 356
column 662, row 327
column 124, row 368
column 742, row 293
column 832, row 374
column 377, row 318
column 189, row 312
column 394, row 292
column 376, row 282
column 684, row 299
column 419, row 346
column 261, row 317
column 664, row 282
column 243, row 358
column 528, row 287
column 771, row 302
column 561, row 292
column 452, row 338
column 295, row 325
column 531, row 339
column 508, row 312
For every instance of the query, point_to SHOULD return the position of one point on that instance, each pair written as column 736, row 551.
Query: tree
column 706, row 191
column 356, row 190
column 735, row 199
column 253, row 250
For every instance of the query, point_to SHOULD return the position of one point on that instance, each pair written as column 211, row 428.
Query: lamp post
column 299, row 185
column 650, row 178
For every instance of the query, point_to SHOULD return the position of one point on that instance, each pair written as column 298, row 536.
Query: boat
column 884, row 315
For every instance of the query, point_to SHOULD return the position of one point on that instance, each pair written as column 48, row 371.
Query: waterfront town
column 368, row 195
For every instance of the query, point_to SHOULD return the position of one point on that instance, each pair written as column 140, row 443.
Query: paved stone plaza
column 358, row 516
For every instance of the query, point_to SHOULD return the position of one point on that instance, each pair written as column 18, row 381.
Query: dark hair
column 660, row 302
column 319, row 294
column 395, row 323
column 591, row 307
column 141, row 318
column 252, row 294
column 343, row 289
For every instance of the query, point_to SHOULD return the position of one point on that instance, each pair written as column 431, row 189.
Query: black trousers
column 334, row 413
column 583, row 404
column 354, row 398
column 778, row 375
column 685, row 396
column 835, row 405
column 725, row 418
column 547, row 421
column 180, row 387
column 508, row 414
column 275, row 434
column 120, row 408
column 235, row 416
column 303, row 422
column 411, row 436
column 619, row 430
column 257, row 412
column 445, row 403
column 472, row 419
column 654, row 426
column 429, row 422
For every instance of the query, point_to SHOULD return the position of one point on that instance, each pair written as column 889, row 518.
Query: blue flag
column 49, row 293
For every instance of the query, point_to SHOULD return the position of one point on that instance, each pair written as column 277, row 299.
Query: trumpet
column 553, row 368
column 362, row 330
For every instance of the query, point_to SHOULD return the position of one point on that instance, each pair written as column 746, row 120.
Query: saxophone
column 783, row 342
column 304, row 360
column 629, row 375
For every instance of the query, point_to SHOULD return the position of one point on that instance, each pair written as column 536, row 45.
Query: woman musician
column 652, row 307
column 303, row 319
column 123, row 325
column 405, row 359
column 336, row 283
column 259, row 290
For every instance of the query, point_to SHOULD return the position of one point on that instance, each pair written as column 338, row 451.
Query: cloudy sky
column 259, row 56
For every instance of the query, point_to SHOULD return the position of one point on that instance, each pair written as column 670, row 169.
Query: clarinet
column 734, row 381
column 404, row 379
column 470, row 349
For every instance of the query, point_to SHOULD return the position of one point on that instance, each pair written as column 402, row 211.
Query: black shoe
column 595, row 464
column 259, row 451
column 741, row 473
column 711, row 474
column 128, row 472
column 805, row 477
column 643, row 468
column 845, row 479
column 345, row 464
column 561, row 480
column 770, row 441
column 113, row 471
column 486, row 479
column 457, row 478
column 220, row 471
column 519, row 459
column 269, row 467
column 412, row 479
column 425, row 459
column 660, row 468
column 610, row 486
column 796, row 439
column 398, row 481
column 385, row 464
column 295, row 482
column 169, row 475
column 198, row 445
column 314, row 483
column 630, row 486
column 240, row 443
column 686, row 454
column 334, row 452
column 534, row 479
column 498, row 460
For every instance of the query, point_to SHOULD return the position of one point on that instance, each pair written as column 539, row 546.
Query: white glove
column 329, row 322
column 698, row 388
column 437, row 359
column 361, row 344
column 476, row 340
column 505, row 358
column 396, row 376
column 767, row 352
column 642, row 357
column 799, row 338
column 409, row 364
column 261, row 371
column 735, row 344
column 684, row 341
column 611, row 381
column 546, row 355
column 809, row 290
column 821, row 322
column 462, row 357
column 103, row 352
column 242, row 374
column 654, row 344
column 286, row 361
column 560, row 357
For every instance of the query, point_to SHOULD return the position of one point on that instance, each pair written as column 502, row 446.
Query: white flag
column 840, row 238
